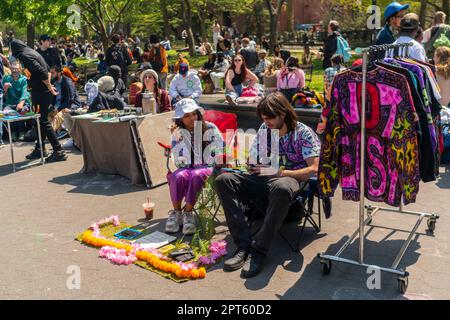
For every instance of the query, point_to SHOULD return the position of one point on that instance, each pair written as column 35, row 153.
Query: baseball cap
column 185, row 106
column 184, row 68
column 409, row 22
column 393, row 8
column 44, row 37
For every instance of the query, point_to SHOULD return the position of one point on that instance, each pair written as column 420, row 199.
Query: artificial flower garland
column 122, row 253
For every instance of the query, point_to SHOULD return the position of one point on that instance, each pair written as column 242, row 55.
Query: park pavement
column 43, row 208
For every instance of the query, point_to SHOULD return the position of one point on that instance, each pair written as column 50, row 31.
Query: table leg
column 40, row 139
column 11, row 146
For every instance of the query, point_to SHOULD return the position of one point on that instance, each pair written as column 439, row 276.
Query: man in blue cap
column 393, row 15
column 185, row 84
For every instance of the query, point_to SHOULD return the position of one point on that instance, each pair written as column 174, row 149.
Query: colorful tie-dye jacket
column 392, row 158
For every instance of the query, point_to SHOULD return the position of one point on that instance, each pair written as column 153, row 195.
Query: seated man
column 185, row 84
column 275, row 187
column 64, row 102
column 262, row 65
column 16, row 97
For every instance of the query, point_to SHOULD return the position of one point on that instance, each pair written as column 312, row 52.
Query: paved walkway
column 44, row 207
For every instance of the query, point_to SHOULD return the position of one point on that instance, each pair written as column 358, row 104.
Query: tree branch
column 434, row 5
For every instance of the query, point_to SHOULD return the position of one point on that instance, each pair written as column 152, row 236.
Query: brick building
column 304, row 12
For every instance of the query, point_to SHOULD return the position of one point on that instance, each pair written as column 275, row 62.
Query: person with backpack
column 118, row 55
column 335, row 44
column 158, row 59
column 438, row 30
column 51, row 55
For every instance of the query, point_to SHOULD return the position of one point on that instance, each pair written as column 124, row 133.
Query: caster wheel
column 325, row 267
column 431, row 225
column 402, row 284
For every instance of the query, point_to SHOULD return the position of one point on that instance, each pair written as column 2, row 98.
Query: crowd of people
column 42, row 79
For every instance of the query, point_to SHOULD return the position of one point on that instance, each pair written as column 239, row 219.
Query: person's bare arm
column 49, row 85
column 305, row 173
column 228, row 78
column 252, row 77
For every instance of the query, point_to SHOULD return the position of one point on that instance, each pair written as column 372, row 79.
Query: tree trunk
column 445, row 7
column 163, row 5
column 30, row 34
column 187, row 17
column 258, row 9
column 85, row 32
column 274, row 14
column 290, row 15
column 202, row 16
column 423, row 12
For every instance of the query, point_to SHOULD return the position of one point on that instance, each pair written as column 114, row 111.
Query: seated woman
column 291, row 78
column 218, row 71
column 149, row 78
column 194, row 168
column 237, row 75
column 204, row 71
column 16, row 97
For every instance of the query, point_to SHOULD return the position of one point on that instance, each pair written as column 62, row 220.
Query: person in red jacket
column 149, row 79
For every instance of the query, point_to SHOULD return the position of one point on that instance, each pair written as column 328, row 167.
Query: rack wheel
column 325, row 267
column 402, row 284
column 431, row 225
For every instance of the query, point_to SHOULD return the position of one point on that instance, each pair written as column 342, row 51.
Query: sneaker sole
column 56, row 160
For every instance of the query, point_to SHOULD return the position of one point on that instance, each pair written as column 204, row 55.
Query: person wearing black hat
column 409, row 26
column 50, row 54
column 118, row 55
column 42, row 95
column 393, row 13
column 158, row 59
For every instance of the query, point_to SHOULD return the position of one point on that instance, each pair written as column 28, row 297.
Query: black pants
column 275, row 194
column 43, row 99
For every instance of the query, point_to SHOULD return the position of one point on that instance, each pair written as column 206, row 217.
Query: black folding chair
column 302, row 208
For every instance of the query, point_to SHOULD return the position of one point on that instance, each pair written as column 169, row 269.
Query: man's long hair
column 275, row 105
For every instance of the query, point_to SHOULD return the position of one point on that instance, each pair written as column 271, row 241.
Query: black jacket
column 115, row 72
column 51, row 56
column 34, row 62
column 250, row 57
column 118, row 55
column 69, row 95
column 107, row 100
column 329, row 49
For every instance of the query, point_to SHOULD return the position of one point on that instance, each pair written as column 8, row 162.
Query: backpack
column 437, row 33
column 117, row 57
column 91, row 89
column 343, row 48
column 157, row 60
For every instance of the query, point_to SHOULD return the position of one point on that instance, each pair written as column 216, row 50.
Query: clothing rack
column 325, row 260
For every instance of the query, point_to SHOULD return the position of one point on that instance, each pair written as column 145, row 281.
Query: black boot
column 253, row 265
column 36, row 154
column 236, row 261
column 58, row 155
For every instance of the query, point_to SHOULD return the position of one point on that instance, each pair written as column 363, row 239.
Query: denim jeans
column 236, row 93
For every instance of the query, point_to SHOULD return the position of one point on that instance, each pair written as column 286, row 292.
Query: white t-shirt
column 417, row 51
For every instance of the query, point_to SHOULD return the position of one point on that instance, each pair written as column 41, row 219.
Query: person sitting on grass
column 218, row 71
column 235, row 78
column 194, row 166
column 291, row 78
column 16, row 97
column 204, row 71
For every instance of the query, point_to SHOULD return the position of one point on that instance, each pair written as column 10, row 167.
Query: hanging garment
column 392, row 155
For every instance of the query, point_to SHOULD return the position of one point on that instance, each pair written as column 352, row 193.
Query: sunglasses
column 237, row 60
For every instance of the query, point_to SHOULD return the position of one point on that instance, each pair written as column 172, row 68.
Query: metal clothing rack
column 325, row 259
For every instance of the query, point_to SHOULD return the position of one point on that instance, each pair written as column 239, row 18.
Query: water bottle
column 146, row 102
column 152, row 104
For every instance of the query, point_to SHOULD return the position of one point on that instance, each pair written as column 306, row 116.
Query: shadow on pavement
column 98, row 184
column 348, row 282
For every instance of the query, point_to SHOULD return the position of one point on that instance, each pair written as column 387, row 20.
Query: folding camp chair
column 227, row 125
column 303, row 205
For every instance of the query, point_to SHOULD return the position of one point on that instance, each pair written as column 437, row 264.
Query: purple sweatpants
column 187, row 182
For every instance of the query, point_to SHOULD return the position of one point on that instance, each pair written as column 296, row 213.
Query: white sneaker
column 189, row 226
column 173, row 221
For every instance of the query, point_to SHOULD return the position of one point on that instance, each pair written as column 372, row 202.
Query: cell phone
column 128, row 234
column 185, row 257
